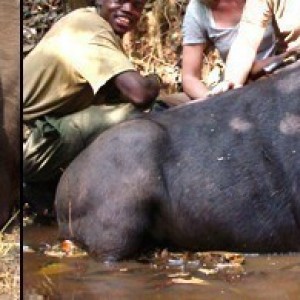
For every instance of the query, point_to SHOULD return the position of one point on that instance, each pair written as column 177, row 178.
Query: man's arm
column 192, row 59
column 240, row 58
column 139, row 90
column 242, row 53
column 261, row 67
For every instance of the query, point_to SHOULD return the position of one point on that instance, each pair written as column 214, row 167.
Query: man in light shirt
column 256, row 16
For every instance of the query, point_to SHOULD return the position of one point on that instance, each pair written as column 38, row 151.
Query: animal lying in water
column 217, row 175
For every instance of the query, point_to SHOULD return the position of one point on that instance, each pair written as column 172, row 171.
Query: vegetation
column 10, row 264
column 155, row 46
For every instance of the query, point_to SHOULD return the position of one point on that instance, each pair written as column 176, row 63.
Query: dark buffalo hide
column 217, row 175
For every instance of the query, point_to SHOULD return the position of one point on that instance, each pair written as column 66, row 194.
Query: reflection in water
column 260, row 277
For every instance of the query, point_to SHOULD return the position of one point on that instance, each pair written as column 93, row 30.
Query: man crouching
column 78, row 82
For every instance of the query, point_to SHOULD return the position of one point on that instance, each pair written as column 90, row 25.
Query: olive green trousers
column 52, row 143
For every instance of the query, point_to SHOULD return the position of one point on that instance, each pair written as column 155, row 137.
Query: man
column 77, row 83
column 256, row 15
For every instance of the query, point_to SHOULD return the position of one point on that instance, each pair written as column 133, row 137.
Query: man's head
column 122, row 15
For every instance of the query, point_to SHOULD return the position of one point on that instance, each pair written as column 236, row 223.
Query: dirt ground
column 10, row 265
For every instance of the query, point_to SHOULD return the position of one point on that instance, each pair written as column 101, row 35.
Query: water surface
column 260, row 277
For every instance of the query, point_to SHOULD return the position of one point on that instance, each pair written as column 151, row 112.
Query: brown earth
column 10, row 265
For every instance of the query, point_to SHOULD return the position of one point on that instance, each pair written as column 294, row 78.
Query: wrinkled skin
column 10, row 107
column 218, row 175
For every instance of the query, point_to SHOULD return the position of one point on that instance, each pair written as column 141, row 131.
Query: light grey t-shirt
column 199, row 27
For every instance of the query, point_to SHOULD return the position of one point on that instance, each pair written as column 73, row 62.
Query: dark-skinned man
column 78, row 82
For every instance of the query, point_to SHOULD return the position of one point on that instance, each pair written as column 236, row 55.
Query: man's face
column 122, row 15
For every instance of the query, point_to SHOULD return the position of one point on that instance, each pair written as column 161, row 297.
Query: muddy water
column 260, row 277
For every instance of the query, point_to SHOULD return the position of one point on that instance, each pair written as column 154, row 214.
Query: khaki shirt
column 284, row 13
column 70, row 64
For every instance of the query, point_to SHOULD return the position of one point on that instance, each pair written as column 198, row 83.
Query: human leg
column 54, row 142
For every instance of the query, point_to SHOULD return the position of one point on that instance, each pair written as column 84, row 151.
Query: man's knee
column 46, row 153
column 53, row 143
column 94, row 120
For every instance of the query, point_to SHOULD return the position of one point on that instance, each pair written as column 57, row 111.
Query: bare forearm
column 238, row 64
column 242, row 53
column 139, row 90
column 259, row 67
column 194, row 88
column 192, row 61
column 152, row 84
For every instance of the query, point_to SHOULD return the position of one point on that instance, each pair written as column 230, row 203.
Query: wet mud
column 258, row 277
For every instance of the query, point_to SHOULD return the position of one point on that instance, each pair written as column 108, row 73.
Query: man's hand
column 140, row 90
column 224, row 86
column 154, row 80
column 293, row 48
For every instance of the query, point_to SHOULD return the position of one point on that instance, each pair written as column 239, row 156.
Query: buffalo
column 216, row 175
column 9, row 108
